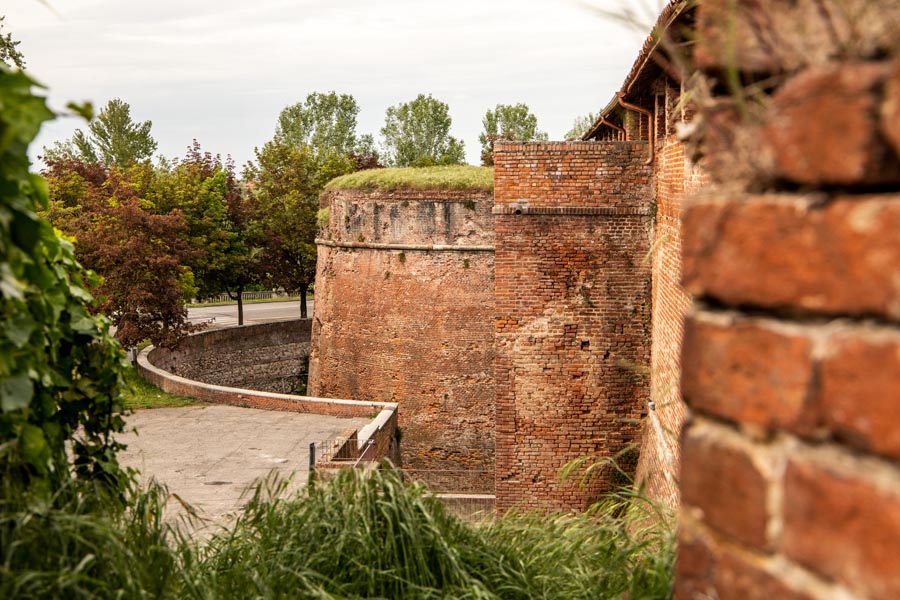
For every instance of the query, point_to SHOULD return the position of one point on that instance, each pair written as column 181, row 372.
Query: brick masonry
column 404, row 302
column 572, row 315
column 791, row 461
column 675, row 177
column 269, row 357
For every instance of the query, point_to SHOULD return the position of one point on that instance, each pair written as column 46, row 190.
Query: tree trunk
column 239, row 296
column 303, row 288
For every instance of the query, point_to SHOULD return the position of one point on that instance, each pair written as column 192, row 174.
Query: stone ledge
column 206, row 392
column 575, row 211
column 410, row 247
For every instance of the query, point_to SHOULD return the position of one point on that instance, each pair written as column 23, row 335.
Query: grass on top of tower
column 455, row 177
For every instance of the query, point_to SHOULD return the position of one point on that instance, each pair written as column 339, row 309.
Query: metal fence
column 453, row 481
column 466, row 493
column 264, row 295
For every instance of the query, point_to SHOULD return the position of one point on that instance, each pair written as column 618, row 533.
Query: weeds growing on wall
column 458, row 177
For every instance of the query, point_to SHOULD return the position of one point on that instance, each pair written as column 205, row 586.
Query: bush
column 60, row 371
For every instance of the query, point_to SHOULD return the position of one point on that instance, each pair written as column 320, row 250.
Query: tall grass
column 85, row 544
column 354, row 536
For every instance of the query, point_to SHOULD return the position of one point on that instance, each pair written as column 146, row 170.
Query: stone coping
column 218, row 394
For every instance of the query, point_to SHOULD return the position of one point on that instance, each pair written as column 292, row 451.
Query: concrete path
column 209, row 454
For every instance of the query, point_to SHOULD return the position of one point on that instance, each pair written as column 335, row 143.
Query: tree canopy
column 417, row 134
column 580, row 126
column 217, row 215
column 9, row 53
column 141, row 254
column 287, row 184
column 324, row 122
column 113, row 138
column 512, row 122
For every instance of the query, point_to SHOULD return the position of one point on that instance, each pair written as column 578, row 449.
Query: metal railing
column 465, row 493
column 245, row 296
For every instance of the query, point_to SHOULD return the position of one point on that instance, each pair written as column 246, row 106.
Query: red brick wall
column 403, row 313
column 791, row 358
column 572, row 315
column 674, row 177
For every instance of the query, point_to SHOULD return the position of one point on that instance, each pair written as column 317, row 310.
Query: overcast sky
column 221, row 71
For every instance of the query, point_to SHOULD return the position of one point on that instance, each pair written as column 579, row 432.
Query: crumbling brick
column 781, row 251
column 843, row 526
column 748, row 372
column 727, row 487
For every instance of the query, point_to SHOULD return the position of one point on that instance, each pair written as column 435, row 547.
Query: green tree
column 141, row 255
column 512, row 122
column 205, row 191
column 324, row 122
column 287, row 184
column 580, row 126
column 113, row 138
column 9, row 53
column 417, row 134
column 60, row 371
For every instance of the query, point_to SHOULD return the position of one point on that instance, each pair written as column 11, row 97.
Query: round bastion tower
column 404, row 313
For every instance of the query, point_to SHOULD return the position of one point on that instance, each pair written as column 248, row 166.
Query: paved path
column 209, row 454
column 262, row 312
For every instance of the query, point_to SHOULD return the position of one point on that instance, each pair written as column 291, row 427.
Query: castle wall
column 675, row 177
column 269, row 357
column 791, row 462
column 403, row 313
column 572, row 315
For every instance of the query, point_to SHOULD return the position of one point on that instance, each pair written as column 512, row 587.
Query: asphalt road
column 263, row 312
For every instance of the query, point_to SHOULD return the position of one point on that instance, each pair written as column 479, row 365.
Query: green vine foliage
column 60, row 371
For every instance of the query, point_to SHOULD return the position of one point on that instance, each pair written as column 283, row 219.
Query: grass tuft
column 456, row 177
column 140, row 393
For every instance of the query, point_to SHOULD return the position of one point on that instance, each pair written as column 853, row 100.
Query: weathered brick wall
column 572, row 315
column 791, row 358
column 268, row 357
column 404, row 302
column 675, row 176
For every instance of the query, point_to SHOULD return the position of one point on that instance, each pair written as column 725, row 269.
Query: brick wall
column 218, row 394
column 675, row 176
column 791, row 358
column 404, row 301
column 269, row 357
column 572, row 315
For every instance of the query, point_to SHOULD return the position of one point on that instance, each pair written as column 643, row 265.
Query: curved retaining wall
column 404, row 313
column 269, row 357
column 379, row 439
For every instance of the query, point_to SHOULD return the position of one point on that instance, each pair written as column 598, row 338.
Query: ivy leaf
column 34, row 446
column 18, row 329
column 25, row 229
column 41, row 189
column 16, row 393
column 84, row 324
column 10, row 285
